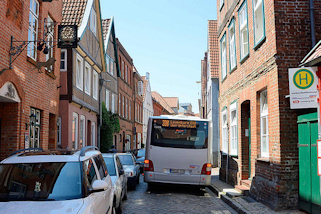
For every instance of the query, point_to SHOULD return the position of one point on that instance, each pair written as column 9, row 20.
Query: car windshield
column 110, row 165
column 141, row 153
column 40, row 181
column 126, row 159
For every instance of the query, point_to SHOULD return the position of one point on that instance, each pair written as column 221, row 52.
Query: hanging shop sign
column 303, row 88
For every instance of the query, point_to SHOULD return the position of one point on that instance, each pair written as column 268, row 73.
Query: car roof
column 108, row 155
column 50, row 156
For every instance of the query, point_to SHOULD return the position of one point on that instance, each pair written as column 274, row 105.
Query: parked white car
column 36, row 181
column 118, row 177
column 131, row 168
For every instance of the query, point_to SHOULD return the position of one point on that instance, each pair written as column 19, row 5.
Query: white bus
column 178, row 150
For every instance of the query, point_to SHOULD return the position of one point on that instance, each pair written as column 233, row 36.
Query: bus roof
column 178, row 117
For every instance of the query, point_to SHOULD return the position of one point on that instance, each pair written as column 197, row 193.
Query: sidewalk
column 241, row 204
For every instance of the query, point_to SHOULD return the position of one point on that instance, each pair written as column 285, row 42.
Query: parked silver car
column 118, row 177
column 131, row 168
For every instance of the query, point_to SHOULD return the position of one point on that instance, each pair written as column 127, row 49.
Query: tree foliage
column 109, row 126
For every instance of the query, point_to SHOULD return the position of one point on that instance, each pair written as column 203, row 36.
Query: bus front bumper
column 171, row 178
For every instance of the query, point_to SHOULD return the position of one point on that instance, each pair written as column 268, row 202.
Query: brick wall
column 35, row 89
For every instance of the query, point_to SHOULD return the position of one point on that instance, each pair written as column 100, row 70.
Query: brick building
column 80, row 73
column 126, row 99
column 259, row 41
column 29, row 93
column 160, row 106
column 109, row 92
column 138, row 110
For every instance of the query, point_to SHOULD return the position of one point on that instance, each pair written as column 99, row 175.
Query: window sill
column 233, row 69
column 51, row 74
column 259, row 44
column 267, row 160
column 245, row 58
column 32, row 61
column 224, row 79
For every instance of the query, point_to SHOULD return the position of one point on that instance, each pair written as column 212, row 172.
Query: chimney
column 147, row 75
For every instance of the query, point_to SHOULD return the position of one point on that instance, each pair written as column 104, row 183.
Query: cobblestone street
column 172, row 199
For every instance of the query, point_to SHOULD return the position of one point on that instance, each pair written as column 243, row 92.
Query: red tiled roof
column 162, row 101
column 73, row 11
column 172, row 101
column 213, row 50
column 105, row 26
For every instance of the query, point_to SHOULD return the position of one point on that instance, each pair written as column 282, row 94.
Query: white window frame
column 126, row 108
column 93, row 21
column 123, row 110
column 107, row 64
column 244, row 31
column 93, row 133
column 258, row 9
column 63, row 62
column 224, row 131
column 87, row 78
column 130, row 109
column 233, row 129
column 119, row 104
column 50, row 38
column 95, row 84
column 232, row 44
column 82, row 131
column 264, row 115
column 79, row 72
column 113, row 103
column 107, row 99
column 74, row 133
column 112, row 66
column 221, row 4
column 33, row 29
column 223, row 56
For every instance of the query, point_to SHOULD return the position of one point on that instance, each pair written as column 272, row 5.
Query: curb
column 238, row 208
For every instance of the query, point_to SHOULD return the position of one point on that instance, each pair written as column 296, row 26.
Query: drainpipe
column 312, row 23
column 228, row 153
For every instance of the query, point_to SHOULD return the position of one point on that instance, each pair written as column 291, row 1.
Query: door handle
column 104, row 195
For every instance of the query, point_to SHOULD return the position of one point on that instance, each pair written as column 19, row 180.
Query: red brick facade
column 126, row 101
column 36, row 89
column 138, row 110
column 287, row 40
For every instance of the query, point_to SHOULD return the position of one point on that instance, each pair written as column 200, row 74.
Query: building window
column 95, row 85
column 63, row 60
column 232, row 50
column 136, row 112
column 75, row 131
column 224, row 132
column 113, row 103
column 244, row 32
column 33, row 29
column 140, row 88
column 259, row 25
column 112, row 64
column 50, row 38
column 126, row 108
column 119, row 104
column 34, row 129
column 221, row 4
column 79, row 72
column 93, row 133
column 123, row 114
column 82, row 133
column 107, row 99
column 59, row 131
column 107, row 64
column 264, row 124
column 87, row 78
column 223, row 56
column 130, row 110
column 93, row 21
column 122, row 70
column 233, row 131
column 126, row 77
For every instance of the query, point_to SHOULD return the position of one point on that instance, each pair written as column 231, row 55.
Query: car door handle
column 104, row 195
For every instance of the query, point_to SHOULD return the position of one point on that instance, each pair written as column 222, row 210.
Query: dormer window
column 93, row 21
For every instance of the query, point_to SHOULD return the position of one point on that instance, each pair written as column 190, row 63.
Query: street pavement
column 173, row 199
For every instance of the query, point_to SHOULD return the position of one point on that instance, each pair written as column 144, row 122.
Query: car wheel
column 119, row 208
column 137, row 181
column 125, row 194
column 113, row 211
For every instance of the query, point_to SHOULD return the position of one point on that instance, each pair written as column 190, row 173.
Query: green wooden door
column 309, row 181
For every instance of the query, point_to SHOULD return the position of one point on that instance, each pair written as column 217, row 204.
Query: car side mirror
column 121, row 172
column 99, row 185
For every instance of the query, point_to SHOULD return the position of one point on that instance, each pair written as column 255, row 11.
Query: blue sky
column 166, row 38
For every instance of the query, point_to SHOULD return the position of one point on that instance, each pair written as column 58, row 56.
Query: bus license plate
column 180, row 171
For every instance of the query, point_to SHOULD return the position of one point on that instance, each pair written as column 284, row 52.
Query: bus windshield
column 180, row 134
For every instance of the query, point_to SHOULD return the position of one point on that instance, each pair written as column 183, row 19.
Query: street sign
column 303, row 88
